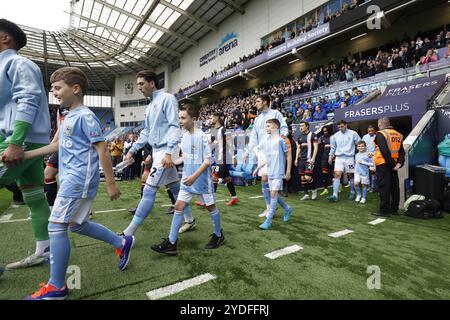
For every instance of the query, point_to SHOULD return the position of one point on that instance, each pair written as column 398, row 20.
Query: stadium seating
column 106, row 118
column 242, row 173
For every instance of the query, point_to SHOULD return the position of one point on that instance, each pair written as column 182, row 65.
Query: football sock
column 215, row 217
column 59, row 253
column 99, row 232
column 143, row 210
column 177, row 221
column 336, row 184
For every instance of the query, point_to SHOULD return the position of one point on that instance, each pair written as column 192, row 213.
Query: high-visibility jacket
column 394, row 142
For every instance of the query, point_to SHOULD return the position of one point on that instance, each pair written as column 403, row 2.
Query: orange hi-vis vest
column 394, row 141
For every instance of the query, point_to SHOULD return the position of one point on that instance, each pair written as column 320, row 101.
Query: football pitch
column 412, row 255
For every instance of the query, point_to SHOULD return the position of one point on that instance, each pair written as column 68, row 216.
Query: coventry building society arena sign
column 229, row 42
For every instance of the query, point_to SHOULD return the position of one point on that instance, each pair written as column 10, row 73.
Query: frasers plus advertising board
column 403, row 99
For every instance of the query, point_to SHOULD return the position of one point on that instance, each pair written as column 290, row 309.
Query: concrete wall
column 120, row 94
column 428, row 20
column 261, row 18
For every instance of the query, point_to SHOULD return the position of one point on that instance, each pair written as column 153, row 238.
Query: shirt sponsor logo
column 94, row 134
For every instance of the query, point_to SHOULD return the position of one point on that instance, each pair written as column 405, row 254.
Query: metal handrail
column 381, row 83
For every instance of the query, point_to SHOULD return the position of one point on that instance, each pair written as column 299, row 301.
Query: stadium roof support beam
column 85, row 63
column 60, row 50
column 91, row 46
column 134, row 51
column 44, row 38
column 105, row 43
column 132, row 59
column 149, row 23
column 131, row 37
column 234, row 6
column 190, row 15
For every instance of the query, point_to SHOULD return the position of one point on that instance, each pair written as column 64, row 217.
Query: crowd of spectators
column 118, row 149
column 53, row 119
column 422, row 49
column 278, row 38
column 238, row 111
column 296, row 29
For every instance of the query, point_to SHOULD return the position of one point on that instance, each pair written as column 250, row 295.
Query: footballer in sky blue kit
column 81, row 148
column 276, row 153
column 196, row 180
column 343, row 146
column 257, row 139
column 162, row 132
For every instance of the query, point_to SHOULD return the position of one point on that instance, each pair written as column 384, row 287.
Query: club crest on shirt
column 68, row 131
column 155, row 107
column 67, row 144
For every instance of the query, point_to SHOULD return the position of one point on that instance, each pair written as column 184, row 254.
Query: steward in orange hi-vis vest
column 389, row 157
column 394, row 142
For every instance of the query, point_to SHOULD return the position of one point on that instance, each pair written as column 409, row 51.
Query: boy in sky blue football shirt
column 276, row 153
column 81, row 147
column 362, row 174
column 196, row 180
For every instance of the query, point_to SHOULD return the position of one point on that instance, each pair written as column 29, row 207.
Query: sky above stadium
column 50, row 15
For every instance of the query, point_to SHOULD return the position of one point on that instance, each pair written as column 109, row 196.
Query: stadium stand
column 329, row 87
column 330, row 63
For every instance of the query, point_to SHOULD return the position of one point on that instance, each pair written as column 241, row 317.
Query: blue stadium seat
column 242, row 173
column 445, row 163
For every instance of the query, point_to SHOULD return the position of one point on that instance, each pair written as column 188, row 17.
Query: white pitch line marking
column 180, row 286
column 5, row 218
column 257, row 197
column 283, row 252
column 16, row 220
column 340, row 233
column 107, row 211
column 377, row 221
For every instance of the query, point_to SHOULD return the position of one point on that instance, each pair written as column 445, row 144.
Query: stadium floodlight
column 246, row 75
column 210, row 87
column 361, row 35
column 297, row 54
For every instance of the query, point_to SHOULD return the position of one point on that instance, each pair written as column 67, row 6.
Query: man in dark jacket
column 389, row 157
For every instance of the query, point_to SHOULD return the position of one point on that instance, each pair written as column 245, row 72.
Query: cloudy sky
column 51, row 15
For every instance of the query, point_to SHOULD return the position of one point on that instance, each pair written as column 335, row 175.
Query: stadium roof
column 107, row 38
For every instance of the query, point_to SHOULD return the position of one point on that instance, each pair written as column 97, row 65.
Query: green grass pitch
column 413, row 255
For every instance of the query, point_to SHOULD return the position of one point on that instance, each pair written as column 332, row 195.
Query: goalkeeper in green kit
column 24, row 125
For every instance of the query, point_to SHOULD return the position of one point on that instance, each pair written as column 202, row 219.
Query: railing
column 415, row 139
column 377, row 81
